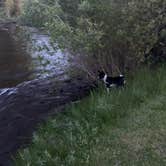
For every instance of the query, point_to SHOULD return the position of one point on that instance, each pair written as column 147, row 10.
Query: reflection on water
column 16, row 65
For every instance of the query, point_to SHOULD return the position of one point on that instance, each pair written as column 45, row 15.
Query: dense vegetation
column 125, row 127
column 117, row 34
column 10, row 8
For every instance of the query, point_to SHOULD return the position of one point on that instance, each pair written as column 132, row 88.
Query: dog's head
column 101, row 75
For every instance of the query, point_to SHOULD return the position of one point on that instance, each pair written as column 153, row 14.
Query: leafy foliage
column 116, row 33
column 10, row 8
column 38, row 13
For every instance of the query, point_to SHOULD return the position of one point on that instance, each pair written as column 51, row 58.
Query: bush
column 115, row 34
column 11, row 8
column 37, row 13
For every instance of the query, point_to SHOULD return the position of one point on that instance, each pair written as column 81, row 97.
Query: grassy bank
column 125, row 127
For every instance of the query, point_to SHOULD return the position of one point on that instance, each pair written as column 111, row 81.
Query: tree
column 116, row 32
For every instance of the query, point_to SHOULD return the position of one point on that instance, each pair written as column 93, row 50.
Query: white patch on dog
column 112, row 85
column 105, row 78
column 121, row 75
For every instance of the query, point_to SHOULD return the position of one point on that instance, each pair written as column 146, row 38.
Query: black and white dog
column 118, row 81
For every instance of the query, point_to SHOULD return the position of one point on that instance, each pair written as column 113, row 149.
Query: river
column 28, row 57
column 36, row 82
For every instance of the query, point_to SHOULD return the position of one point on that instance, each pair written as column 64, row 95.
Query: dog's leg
column 112, row 85
column 108, row 88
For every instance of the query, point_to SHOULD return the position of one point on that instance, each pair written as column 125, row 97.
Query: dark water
column 17, row 65
column 14, row 62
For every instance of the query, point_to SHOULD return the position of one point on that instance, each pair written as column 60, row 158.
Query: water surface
column 22, row 61
column 14, row 62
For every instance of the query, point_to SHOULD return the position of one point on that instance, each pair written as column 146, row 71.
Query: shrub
column 115, row 34
column 12, row 7
column 37, row 13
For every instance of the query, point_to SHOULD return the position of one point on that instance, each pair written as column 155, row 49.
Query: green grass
column 123, row 128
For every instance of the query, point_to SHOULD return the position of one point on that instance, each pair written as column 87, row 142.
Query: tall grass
column 125, row 127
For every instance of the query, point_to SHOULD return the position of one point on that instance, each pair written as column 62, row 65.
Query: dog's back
column 117, row 81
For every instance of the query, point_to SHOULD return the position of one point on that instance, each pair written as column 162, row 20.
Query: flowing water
column 29, row 58
column 35, row 82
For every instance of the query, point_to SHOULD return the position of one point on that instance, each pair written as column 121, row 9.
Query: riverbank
column 22, row 108
column 125, row 127
column 28, row 97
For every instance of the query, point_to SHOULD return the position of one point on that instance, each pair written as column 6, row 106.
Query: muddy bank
column 22, row 108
